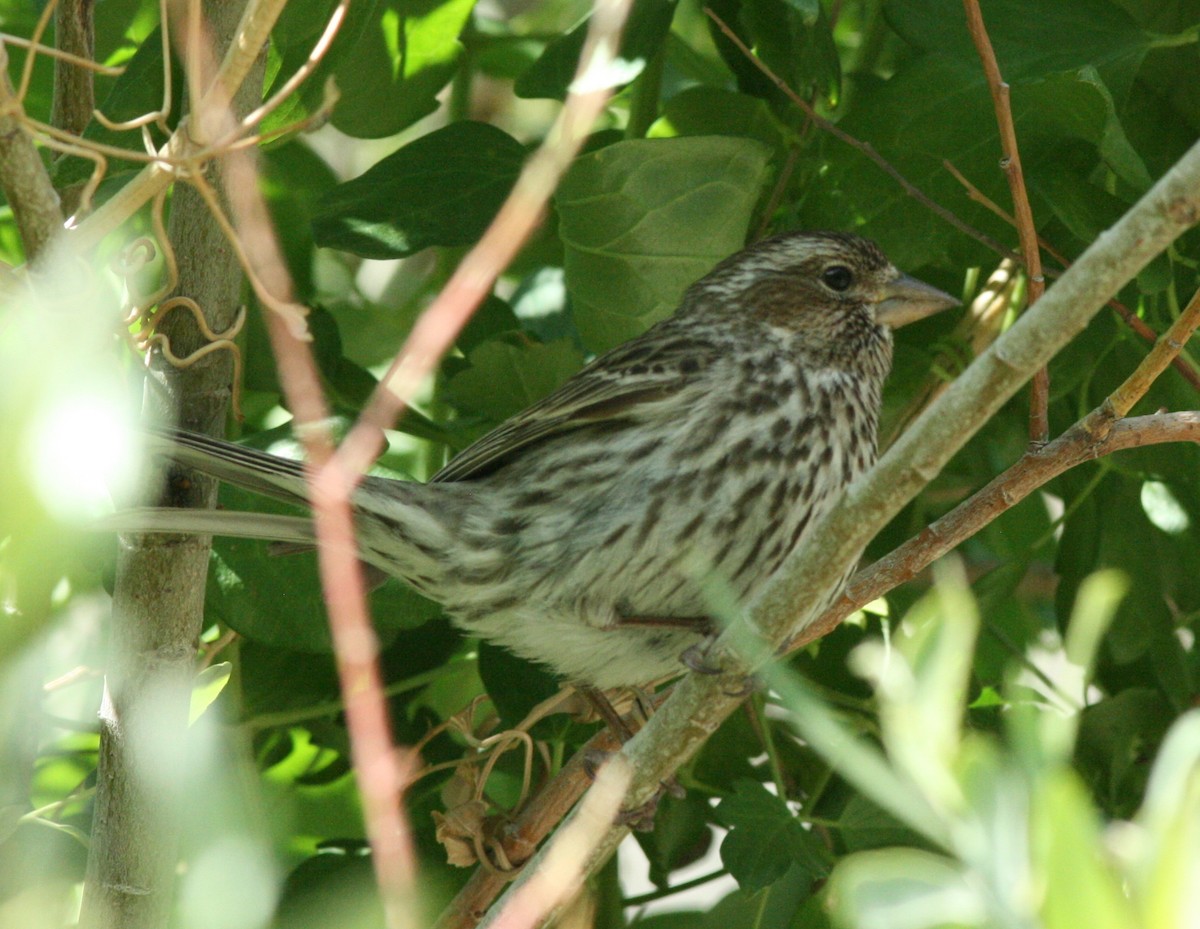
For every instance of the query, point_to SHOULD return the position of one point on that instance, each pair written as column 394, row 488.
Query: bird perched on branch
column 589, row 532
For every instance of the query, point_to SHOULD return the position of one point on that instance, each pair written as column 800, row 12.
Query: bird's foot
column 696, row 658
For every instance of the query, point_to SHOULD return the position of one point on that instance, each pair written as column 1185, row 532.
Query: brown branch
column 158, row 598
column 1039, row 398
column 1121, row 400
column 523, row 835
column 356, row 648
column 74, row 89
column 74, row 93
column 26, row 184
column 1035, row 469
column 1182, row 365
column 858, row 145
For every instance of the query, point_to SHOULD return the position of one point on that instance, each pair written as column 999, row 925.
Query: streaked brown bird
column 590, row 531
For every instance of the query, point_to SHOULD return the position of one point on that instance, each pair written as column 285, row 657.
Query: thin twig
column 35, row 44
column 157, row 117
column 1169, row 345
column 302, row 73
column 522, row 836
column 1033, row 471
column 59, row 55
column 1039, row 398
column 253, row 33
column 865, row 147
column 1131, row 319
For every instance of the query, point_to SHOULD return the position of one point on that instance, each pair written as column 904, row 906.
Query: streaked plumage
column 691, row 459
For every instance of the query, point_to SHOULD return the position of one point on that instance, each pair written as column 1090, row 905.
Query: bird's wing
column 623, row 385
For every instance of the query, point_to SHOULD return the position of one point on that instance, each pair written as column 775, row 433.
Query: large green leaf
column 766, row 838
column 442, row 189
column 293, row 39
column 294, row 177
column 393, row 76
column 643, row 219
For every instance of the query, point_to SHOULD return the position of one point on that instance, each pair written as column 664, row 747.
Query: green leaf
column 794, row 39
column 1171, row 820
column 766, row 838
column 393, row 76
column 922, row 686
column 1079, row 105
column 292, row 42
column 903, row 889
column 551, row 75
column 858, row 760
column 638, row 223
column 863, row 826
column 504, row 378
column 389, row 60
column 1116, row 736
column 207, row 687
column 1080, row 888
column 442, row 189
column 293, row 179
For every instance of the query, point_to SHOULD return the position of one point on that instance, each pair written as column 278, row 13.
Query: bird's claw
column 695, row 658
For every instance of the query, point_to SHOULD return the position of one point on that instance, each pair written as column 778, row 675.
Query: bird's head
column 832, row 289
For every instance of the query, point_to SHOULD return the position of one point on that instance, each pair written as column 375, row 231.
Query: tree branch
column 1039, row 398
column 158, row 600
column 74, row 94
column 1182, row 365
column 26, row 184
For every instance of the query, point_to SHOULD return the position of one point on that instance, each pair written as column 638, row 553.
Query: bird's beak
column 905, row 300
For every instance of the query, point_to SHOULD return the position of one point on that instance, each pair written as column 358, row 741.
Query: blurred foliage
column 1027, row 756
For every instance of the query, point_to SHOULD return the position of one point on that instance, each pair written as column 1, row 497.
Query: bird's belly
column 579, row 650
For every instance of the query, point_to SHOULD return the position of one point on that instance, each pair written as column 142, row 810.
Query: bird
column 591, row 532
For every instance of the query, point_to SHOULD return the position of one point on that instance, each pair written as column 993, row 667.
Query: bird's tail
column 275, row 477
column 398, row 531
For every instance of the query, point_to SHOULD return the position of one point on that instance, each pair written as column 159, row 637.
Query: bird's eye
column 837, row 277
